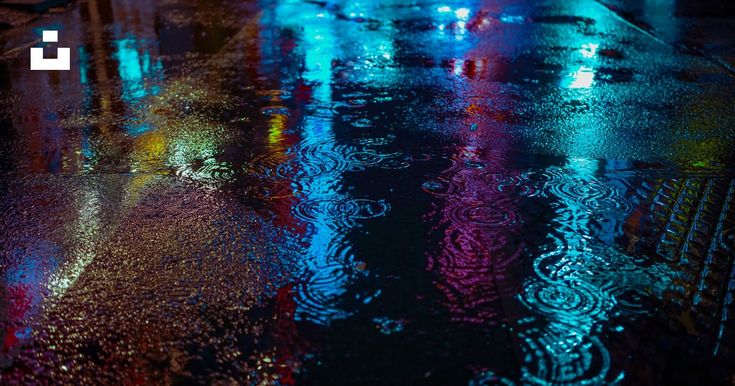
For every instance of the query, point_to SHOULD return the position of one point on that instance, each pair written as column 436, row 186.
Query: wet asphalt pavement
column 353, row 193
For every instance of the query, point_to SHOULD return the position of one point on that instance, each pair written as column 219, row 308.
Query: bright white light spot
column 589, row 50
column 444, row 9
column 582, row 78
column 462, row 13
column 461, row 30
column 458, row 64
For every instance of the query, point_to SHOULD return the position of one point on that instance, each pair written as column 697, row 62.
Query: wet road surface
column 317, row 193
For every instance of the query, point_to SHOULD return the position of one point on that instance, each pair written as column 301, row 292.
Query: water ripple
column 317, row 160
column 518, row 184
column 318, row 291
column 360, row 159
column 571, row 302
column 586, row 191
column 472, row 295
column 345, row 209
column 563, row 355
column 489, row 378
column 442, row 187
column 262, row 165
column 615, row 273
column 209, row 172
column 494, row 215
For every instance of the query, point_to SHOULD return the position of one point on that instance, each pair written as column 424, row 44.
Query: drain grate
column 692, row 222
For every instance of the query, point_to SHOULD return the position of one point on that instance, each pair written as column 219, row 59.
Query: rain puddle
column 339, row 192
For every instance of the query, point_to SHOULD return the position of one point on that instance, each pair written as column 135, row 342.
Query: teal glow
column 139, row 75
column 327, row 279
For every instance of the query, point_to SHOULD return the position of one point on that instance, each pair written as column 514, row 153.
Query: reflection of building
column 576, row 281
column 325, row 36
column 323, row 282
column 479, row 219
column 480, row 242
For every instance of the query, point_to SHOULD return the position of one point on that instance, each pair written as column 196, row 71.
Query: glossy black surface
column 340, row 192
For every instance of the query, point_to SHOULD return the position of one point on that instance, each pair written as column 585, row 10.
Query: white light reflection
column 462, row 13
column 589, row 50
column 584, row 77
